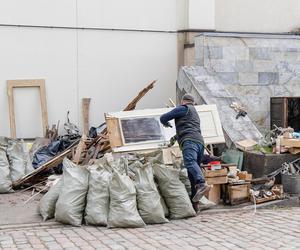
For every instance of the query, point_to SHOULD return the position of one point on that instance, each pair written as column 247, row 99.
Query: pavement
column 237, row 229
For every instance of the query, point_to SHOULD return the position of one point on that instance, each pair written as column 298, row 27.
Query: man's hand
column 172, row 141
column 167, row 125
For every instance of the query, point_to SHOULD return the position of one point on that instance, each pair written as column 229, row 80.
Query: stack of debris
column 290, row 141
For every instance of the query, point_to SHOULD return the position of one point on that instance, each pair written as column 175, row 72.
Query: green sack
column 148, row 198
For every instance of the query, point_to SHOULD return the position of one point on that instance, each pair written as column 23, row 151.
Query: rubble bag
column 96, row 211
column 123, row 208
column 48, row 201
column 5, row 180
column 71, row 201
column 173, row 192
column 16, row 157
column 148, row 199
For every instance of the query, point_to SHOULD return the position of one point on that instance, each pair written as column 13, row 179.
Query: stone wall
column 252, row 68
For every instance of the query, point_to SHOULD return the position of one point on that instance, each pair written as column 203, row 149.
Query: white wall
column 257, row 15
column 201, row 14
column 108, row 66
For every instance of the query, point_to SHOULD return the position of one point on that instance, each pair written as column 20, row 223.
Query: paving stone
column 235, row 230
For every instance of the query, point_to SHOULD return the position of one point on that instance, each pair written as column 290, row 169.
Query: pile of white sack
column 125, row 192
column 15, row 162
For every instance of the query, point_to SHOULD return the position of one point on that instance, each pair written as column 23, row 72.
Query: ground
column 237, row 229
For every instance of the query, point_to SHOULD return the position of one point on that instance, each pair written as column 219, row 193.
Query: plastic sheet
column 97, row 206
column 48, row 201
column 174, row 192
column 123, row 208
column 71, row 202
column 148, row 198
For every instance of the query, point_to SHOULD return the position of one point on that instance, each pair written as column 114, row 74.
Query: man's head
column 187, row 99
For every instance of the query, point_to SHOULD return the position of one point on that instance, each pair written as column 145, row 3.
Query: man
column 190, row 140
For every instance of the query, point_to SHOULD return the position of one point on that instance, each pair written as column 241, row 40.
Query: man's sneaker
column 200, row 191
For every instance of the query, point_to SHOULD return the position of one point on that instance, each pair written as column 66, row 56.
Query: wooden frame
column 11, row 84
column 210, row 125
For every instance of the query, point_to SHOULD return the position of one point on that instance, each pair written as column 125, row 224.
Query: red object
column 213, row 163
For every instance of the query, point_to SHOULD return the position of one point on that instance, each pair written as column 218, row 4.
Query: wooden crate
column 238, row 193
column 215, row 173
column 214, row 194
column 217, row 180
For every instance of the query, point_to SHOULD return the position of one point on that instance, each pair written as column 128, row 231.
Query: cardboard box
column 214, row 194
column 290, row 142
column 246, row 145
column 294, row 151
column 217, row 180
column 215, row 173
column 244, row 176
column 238, row 193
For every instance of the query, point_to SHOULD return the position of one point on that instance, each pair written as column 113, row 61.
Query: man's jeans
column 192, row 154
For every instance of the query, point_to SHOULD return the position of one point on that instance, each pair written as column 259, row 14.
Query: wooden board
column 11, row 84
column 238, row 193
column 217, row 180
column 215, row 173
column 114, row 133
column 246, row 145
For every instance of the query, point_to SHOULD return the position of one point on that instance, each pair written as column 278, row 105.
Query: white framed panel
column 210, row 126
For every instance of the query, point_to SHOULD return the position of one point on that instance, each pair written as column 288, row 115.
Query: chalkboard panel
column 141, row 129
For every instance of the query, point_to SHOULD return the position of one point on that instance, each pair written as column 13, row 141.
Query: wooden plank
column 246, row 145
column 217, row 180
column 215, row 173
column 85, row 115
column 114, row 133
column 40, row 83
column 11, row 108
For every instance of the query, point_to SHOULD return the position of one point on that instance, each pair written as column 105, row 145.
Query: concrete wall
column 108, row 66
column 252, row 68
column 257, row 15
